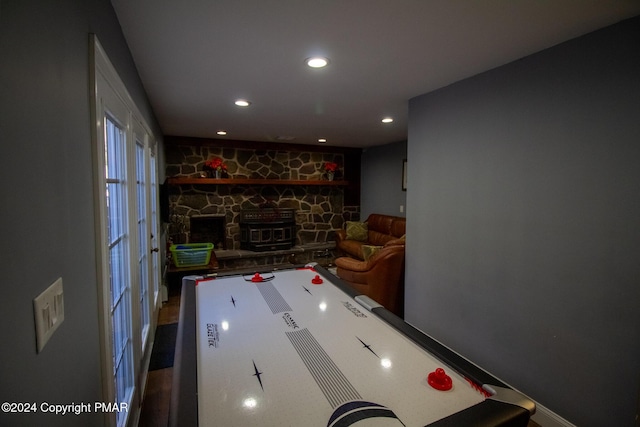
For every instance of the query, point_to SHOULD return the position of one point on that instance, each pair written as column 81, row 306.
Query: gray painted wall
column 381, row 175
column 47, row 216
column 523, row 233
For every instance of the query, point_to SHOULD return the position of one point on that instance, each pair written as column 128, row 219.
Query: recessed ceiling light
column 387, row 120
column 322, row 140
column 222, row 132
column 317, row 62
column 242, row 103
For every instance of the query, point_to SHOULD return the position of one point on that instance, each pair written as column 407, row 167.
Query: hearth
column 267, row 229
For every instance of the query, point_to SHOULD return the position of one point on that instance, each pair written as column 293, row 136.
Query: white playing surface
column 290, row 356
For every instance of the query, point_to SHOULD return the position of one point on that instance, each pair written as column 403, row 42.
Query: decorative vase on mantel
column 212, row 173
column 330, row 169
column 215, row 166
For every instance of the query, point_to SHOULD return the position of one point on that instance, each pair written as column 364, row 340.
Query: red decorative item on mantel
column 330, row 168
column 216, row 165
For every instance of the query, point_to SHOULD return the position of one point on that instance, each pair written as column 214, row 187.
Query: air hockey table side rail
column 503, row 406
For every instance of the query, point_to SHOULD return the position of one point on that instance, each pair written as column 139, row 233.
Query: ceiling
column 196, row 57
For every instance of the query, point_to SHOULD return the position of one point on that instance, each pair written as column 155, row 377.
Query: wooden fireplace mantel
column 249, row 181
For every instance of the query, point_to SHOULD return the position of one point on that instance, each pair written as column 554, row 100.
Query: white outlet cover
column 48, row 312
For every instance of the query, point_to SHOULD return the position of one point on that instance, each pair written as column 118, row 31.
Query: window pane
column 119, row 282
column 154, row 222
column 143, row 240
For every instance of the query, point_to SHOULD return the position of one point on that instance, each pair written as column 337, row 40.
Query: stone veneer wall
column 320, row 210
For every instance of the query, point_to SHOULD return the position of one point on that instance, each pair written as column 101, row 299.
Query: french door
column 143, row 232
column 126, row 229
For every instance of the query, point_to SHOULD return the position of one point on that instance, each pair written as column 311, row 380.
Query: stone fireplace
column 318, row 210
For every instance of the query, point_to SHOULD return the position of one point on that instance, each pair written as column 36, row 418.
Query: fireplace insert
column 267, row 229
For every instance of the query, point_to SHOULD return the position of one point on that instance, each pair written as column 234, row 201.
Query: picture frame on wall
column 404, row 175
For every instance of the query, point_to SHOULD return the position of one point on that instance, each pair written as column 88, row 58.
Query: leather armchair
column 380, row 278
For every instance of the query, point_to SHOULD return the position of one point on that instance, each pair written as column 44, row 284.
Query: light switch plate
column 48, row 311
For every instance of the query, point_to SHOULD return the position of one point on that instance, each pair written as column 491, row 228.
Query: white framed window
column 125, row 193
column 118, row 246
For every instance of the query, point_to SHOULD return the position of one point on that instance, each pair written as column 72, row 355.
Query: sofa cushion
column 370, row 250
column 353, row 248
column 398, row 227
column 380, row 223
column 357, row 231
column 398, row 241
column 379, row 239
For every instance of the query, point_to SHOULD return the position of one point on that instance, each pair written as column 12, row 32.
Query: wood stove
column 267, row 229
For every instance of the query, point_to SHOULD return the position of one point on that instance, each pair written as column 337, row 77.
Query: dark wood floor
column 157, row 396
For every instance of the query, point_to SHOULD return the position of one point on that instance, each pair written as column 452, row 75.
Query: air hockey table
column 299, row 347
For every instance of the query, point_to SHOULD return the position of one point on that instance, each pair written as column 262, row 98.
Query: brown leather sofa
column 382, row 229
column 381, row 277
